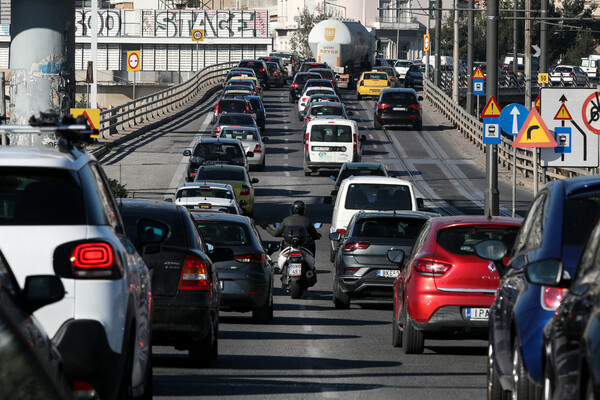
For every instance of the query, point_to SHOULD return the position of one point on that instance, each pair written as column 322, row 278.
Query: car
column 239, row 119
column 247, row 81
column 231, row 106
column 306, row 65
column 260, row 68
column 444, row 289
column 207, row 196
column 60, row 200
column 557, row 226
column 361, row 266
column 238, row 73
column 322, row 109
column 401, row 67
column 329, row 143
column 291, row 61
column 391, row 72
column 234, row 175
column 233, row 91
column 371, row 84
column 312, row 83
column 258, row 109
column 415, row 74
column 398, row 106
column 248, row 278
column 356, row 169
column 298, row 84
column 277, row 60
column 326, row 73
column 185, row 285
column 252, row 141
column 306, row 94
column 358, row 193
column 247, row 71
column 568, row 75
column 277, row 75
column 316, row 98
column 214, row 151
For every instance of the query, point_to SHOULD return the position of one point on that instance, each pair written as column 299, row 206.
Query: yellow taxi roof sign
column 534, row 132
column 491, row 109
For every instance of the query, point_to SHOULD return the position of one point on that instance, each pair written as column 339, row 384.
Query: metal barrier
column 472, row 129
column 154, row 106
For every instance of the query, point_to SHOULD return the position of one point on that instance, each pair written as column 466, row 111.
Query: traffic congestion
column 293, row 239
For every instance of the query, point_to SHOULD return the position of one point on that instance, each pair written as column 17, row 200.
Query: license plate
column 204, row 206
column 375, row 90
column 295, row 269
column 399, row 109
column 320, row 148
column 477, row 313
column 387, row 273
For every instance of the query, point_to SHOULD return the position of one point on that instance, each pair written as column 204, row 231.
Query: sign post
column 197, row 36
column 512, row 119
column 134, row 64
column 478, row 79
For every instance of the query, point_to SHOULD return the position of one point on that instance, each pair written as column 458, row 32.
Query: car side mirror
column 420, row 98
column 420, row 203
column 150, row 235
column 41, row 290
column 350, row 113
column 254, row 180
column 250, row 154
column 187, row 153
column 169, row 200
column 547, row 272
column 271, row 246
column 327, row 200
column 332, row 177
column 396, row 256
column 221, row 254
column 363, row 138
column 243, row 203
column 335, row 236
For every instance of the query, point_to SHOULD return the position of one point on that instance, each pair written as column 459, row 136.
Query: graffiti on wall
column 109, row 22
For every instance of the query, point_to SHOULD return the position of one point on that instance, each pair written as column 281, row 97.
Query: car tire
column 263, row 314
column 332, row 254
column 341, row 300
column 307, row 171
column 295, row 290
column 548, row 381
column 202, row 352
column 494, row 388
column 261, row 166
column 418, row 126
column 300, row 118
column 291, row 99
column 519, row 375
column 413, row 341
column 147, row 395
column 396, row 332
column 589, row 390
column 358, row 96
column 376, row 124
column 126, row 384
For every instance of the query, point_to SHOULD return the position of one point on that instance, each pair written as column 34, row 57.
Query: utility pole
column 438, row 42
column 515, row 64
column 428, row 53
column 544, row 37
column 492, row 196
column 93, row 99
column 528, row 85
column 455, row 56
column 471, row 17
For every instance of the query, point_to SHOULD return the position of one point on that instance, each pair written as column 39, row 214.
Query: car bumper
column 398, row 119
column 452, row 319
column 369, row 286
column 257, row 159
column 188, row 315
column 370, row 90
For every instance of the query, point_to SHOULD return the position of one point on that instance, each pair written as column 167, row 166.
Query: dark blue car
column 557, row 226
column 258, row 108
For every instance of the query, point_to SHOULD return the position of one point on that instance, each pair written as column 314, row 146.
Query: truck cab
column 591, row 65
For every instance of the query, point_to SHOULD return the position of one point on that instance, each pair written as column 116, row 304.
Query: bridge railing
column 472, row 129
column 156, row 105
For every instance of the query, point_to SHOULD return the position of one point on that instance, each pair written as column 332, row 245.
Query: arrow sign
column 491, row 109
column 534, row 132
column 512, row 118
column 537, row 50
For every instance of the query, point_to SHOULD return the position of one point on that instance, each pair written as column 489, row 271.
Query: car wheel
column 291, row 99
column 215, row 345
column 261, row 166
column 147, row 395
column 307, row 170
column 300, row 117
column 396, row 332
column 519, row 376
column 494, row 388
column 376, row 124
column 262, row 315
column 201, row 352
column 548, row 382
column 125, row 386
column 418, row 126
column 358, row 96
column 589, row 392
column 340, row 299
column 412, row 339
column 332, row 254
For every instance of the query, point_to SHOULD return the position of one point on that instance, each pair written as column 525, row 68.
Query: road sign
column 134, row 60
column 542, row 78
column 491, row 109
column 478, row 87
column 563, row 108
column 91, row 114
column 512, row 118
column 478, row 73
column 491, row 131
column 197, row 35
column 590, row 112
column 534, row 132
column 537, row 102
column 426, row 42
column 562, row 135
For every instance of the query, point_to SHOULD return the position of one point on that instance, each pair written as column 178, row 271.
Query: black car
column 232, row 106
column 247, row 281
column 185, row 285
column 306, row 65
column 279, row 62
column 361, row 266
column 398, row 107
column 260, row 69
column 414, row 75
column 277, row 76
column 319, row 83
column 298, row 84
column 212, row 151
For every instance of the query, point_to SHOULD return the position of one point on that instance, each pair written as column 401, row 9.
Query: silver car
column 251, row 140
column 326, row 109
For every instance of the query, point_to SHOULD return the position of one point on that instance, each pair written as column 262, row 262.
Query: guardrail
column 472, row 129
column 156, row 105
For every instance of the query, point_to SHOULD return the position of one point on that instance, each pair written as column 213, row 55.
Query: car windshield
column 380, row 76
column 326, row 110
column 218, row 151
column 204, row 192
column 239, row 133
column 398, row 97
column 398, row 228
column 461, row 240
column 218, row 174
column 224, row 233
column 331, row 133
column 378, row 196
column 347, row 172
column 236, row 120
column 580, row 216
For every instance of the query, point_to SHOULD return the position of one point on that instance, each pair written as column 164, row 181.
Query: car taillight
column 245, row 190
column 83, row 390
column 431, row 268
column 342, row 232
column 551, row 297
column 194, row 275
column 360, row 83
column 308, row 119
column 275, row 73
column 95, row 260
column 306, row 141
column 295, row 254
column 389, row 83
column 217, row 129
column 414, row 106
column 295, row 85
column 352, row 246
column 250, row 258
column 381, row 106
column 217, row 109
column 262, row 70
column 257, row 148
column 303, row 100
column 354, row 143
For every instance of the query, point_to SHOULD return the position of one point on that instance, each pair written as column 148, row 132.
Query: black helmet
column 298, row 207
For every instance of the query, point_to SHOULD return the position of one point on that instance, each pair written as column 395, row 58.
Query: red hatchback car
column 444, row 288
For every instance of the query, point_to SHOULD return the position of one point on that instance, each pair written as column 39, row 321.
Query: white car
column 59, row 217
column 302, row 101
column 252, row 141
column 401, row 67
column 207, row 196
column 568, row 75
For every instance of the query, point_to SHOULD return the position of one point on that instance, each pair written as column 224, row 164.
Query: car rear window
column 217, row 175
column 399, row 97
column 579, row 218
column 216, row 151
column 302, row 78
column 232, row 106
column 461, row 240
column 272, row 66
column 224, row 233
column 204, row 192
column 319, row 91
column 347, row 172
column 382, row 76
column 318, row 82
column 256, row 104
column 326, row 110
column 236, row 120
column 318, row 99
column 132, row 214
column 242, row 134
column 378, row 196
column 398, row 228
column 331, row 133
column 325, row 73
column 240, row 82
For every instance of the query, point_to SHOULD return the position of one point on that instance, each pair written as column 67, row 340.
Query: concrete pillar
column 42, row 57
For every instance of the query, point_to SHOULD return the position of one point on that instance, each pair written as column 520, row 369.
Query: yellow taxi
column 371, row 83
column 245, row 78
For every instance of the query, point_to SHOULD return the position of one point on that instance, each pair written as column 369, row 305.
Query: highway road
column 310, row 349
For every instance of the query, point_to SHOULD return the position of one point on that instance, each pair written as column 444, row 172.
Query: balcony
column 404, row 23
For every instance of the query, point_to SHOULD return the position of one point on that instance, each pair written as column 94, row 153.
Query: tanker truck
column 346, row 46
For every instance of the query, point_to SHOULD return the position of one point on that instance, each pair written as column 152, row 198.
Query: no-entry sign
column 134, row 60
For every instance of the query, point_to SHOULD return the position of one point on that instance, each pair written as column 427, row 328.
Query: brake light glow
column 381, row 106
column 352, row 246
column 249, row 258
column 414, row 106
column 431, row 268
column 194, row 275
column 295, row 254
column 217, row 129
column 551, row 297
column 295, row 85
column 303, row 100
column 245, row 190
column 354, row 143
column 306, row 141
column 95, row 260
column 341, row 231
column 258, row 148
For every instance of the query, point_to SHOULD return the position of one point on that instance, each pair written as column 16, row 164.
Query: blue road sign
column 562, row 134
column 491, row 131
column 512, row 118
column 478, row 87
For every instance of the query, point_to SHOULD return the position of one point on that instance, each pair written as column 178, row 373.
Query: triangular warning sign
column 563, row 114
column 478, row 74
column 491, row 109
column 537, row 102
column 534, row 132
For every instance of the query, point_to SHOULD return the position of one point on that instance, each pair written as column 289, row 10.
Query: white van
column 444, row 60
column 329, row 143
column 371, row 193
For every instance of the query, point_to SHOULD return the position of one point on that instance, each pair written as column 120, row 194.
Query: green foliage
column 117, row 188
column 306, row 20
column 82, row 103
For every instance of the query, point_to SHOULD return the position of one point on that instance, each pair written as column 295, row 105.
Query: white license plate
column 399, row 109
column 387, row 273
column 375, row 90
column 477, row 313
column 320, row 148
column 295, row 269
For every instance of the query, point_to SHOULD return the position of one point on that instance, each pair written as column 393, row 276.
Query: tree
column 306, row 20
column 117, row 188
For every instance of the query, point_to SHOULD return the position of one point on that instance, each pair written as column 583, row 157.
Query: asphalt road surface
column 312, row 350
